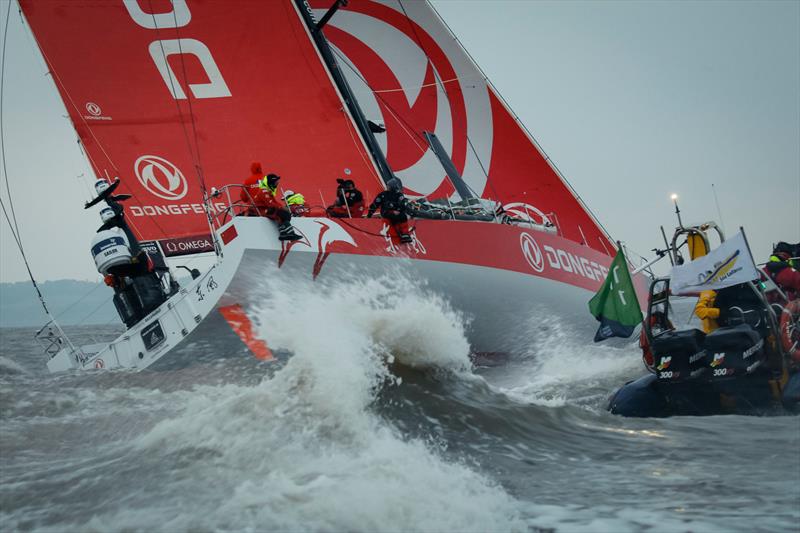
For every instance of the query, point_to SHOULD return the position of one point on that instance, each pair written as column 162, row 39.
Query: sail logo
column 531, row 251
column 93, row 109
column 160, row 177
column 95, row 112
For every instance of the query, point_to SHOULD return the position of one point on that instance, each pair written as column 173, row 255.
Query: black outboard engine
column 734, row 351
column 679, row 355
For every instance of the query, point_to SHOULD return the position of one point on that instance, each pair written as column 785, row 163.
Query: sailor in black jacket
column 393, row 205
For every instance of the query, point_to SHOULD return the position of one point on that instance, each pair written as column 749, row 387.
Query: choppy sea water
column 378, row 422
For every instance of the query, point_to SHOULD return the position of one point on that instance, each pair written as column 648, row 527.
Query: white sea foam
column 302, row 449
column 8, row 367
column 559, row 361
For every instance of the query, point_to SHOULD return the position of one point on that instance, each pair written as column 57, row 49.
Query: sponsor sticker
column 531, row 251
column 153, row 335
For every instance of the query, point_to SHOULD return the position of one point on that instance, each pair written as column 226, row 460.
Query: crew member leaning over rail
column 260, row 191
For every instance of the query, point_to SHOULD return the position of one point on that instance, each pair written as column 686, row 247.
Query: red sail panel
column 408, row 71
column 161, row 91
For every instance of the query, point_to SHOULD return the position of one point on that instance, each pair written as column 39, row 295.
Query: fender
column 790, row 330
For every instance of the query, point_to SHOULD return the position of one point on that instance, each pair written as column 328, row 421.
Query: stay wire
column 194, row 151
column 2, row 129
column 25, row 260
column 378, row 96
column 407, row 127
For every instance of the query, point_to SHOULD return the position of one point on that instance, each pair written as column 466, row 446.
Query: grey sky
column 632, row 100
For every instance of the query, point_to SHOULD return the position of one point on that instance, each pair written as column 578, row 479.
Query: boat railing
column 233, row 208
column 50, row 339
column 474, row 210
column 53, row 340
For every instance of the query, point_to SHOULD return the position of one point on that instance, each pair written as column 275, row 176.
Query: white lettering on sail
column 216, row 86
column 178, row 17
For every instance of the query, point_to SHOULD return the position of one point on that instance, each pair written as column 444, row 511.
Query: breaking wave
column 559, row 367
column 303, row 449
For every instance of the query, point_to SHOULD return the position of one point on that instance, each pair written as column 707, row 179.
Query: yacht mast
column 341, row 83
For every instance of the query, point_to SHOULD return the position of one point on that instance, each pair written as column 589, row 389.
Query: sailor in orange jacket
column 706, row 312
column 260, row 191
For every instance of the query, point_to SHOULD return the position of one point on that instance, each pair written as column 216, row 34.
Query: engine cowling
column 110, row 248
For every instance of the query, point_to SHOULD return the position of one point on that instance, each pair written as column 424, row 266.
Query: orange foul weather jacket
column 264, row 199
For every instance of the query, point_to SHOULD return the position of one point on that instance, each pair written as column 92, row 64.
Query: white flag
column 729, row 264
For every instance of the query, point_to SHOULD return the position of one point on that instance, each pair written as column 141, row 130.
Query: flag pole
column 760, row 294
column 748, row 244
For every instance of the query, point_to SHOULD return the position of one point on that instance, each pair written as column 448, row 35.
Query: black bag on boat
column 734, row 351
column 679, row 355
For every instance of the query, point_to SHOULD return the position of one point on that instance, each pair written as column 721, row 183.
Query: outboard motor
column 137, row 287
column 734, row 351
column 679, row 355
column 110, row 248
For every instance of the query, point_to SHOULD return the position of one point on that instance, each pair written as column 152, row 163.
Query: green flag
column 615, row 304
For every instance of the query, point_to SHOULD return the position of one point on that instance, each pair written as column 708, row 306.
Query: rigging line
column 10, row 226
column 27, row 265
column 198, row 161
column 96, row 309
column 2, row 129
column 416, row 87
column 172, row 83
column 342, row 220
column 194, row 155
column 359, row 149
column 522, row 125
column 79, row 300
column 411, row 134
column 379, row 97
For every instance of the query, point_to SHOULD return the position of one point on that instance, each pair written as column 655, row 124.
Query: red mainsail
column 409, row 71
column 164, row 94
column 171, row 94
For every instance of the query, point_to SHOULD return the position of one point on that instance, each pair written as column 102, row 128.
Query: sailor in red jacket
column 260, row 192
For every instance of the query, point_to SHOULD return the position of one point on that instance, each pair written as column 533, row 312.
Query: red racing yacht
column 176, row 98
